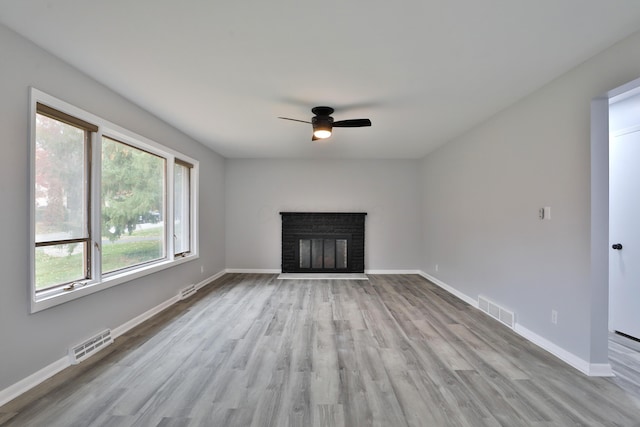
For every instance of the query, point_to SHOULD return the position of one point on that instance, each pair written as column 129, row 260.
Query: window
column 105, row 202
column 62, row 199
column 133, row 188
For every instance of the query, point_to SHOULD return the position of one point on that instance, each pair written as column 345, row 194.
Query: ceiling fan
column 322, row 122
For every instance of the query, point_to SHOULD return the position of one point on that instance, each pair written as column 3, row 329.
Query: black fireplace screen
column 325, row 254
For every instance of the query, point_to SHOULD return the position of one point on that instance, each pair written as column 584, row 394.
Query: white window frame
column 42, row 300
column 192, row 228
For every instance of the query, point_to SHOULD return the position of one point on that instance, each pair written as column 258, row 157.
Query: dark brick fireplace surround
column 323, row 242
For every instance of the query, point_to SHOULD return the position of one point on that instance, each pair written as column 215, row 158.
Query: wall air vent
column 81, row 351
column 494, row 310
column 187, row 292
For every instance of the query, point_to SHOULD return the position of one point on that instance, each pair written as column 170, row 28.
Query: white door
column 624, row 233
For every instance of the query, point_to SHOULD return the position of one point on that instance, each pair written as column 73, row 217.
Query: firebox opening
column 323, row 254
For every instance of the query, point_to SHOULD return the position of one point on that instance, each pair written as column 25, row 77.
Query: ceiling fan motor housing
column 322, row 111
column 322, row 122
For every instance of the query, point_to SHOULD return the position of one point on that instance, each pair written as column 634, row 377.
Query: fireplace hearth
column 322, row 242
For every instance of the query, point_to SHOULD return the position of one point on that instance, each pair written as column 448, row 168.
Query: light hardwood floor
column 251, row 350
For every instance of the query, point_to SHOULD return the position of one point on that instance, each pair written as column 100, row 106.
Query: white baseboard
column 26, row 384
column 392, row 272
column 600, row 370
column 453, row 291
column 205, row 282
column 590, row 369
column 118, row 331
column 47, row 372
column 254, row 270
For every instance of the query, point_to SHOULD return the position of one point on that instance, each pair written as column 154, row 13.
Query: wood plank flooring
column 251, row 350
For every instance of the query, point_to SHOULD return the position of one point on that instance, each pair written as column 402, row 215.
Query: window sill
column 39, row 303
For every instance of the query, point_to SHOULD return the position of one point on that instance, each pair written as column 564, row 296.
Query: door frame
column 599, row 285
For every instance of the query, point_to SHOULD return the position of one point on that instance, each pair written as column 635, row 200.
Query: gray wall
column 29, row 342
column 481, row 195
column 257, row 190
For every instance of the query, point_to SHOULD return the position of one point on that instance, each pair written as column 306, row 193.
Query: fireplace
column 322, row 242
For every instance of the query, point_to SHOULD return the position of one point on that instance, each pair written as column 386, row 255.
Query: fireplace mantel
column 323, row 242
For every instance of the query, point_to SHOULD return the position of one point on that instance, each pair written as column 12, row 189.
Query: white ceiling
column 423, row 71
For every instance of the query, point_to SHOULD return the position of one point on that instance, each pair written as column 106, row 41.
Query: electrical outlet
column 202, row 269
column 436, row 267
column 554, row 317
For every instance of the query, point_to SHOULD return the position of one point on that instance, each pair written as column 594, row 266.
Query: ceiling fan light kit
column 323, row 123
column 322, row 133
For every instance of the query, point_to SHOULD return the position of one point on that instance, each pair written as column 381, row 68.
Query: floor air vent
column 80, row 352
column 188, row 291
column 505, row 316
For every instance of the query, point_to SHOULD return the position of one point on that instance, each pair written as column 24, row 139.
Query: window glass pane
column 58, row 264
column 181, row 210
column 133, row 230
column 61, row 206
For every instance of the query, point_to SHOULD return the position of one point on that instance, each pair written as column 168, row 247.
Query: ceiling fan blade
column 353, row 123
column 294, row 120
